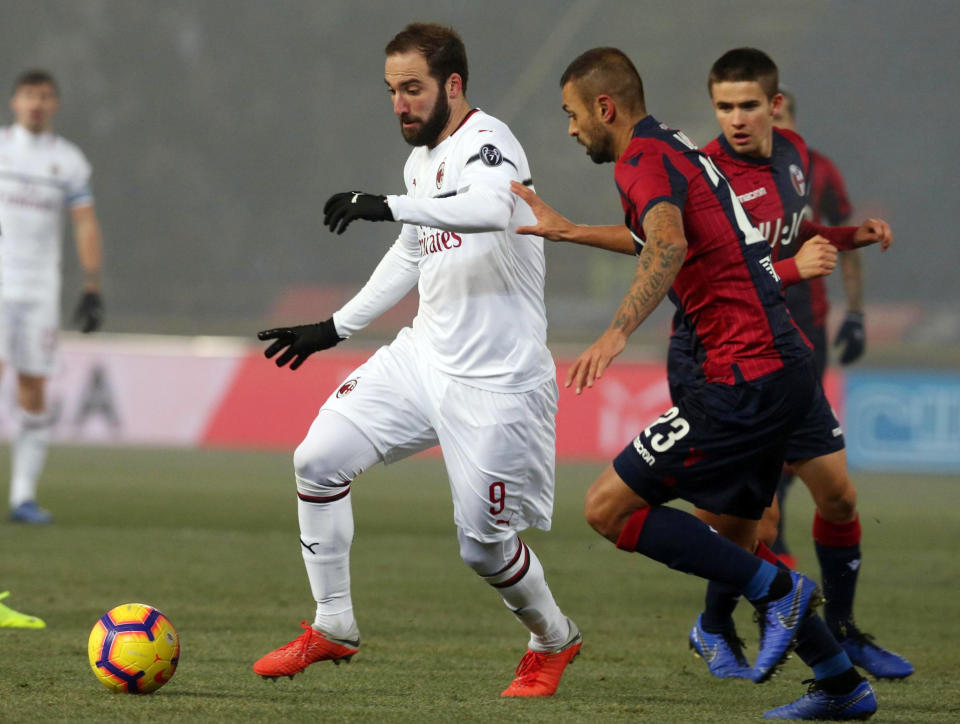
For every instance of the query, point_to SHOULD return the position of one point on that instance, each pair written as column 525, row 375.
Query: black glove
column 852, row 336
column 89, row 312
column 301, row 341
column 341, row 209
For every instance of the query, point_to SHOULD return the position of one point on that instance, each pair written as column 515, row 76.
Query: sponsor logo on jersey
column 433, row 241
column 490, row 155
column 782, row 231
column 346, row 388
column 440, row 171
column 796, row 178
column 644, row 454
column 751, row 195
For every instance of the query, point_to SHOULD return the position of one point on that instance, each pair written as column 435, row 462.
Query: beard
column 601, row 150
column 431, row 128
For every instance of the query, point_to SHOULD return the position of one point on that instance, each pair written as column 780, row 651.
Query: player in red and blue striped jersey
column 722, row 444
column 769, row 169
column 829, row 204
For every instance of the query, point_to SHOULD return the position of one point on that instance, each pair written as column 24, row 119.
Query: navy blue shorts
column 722, row 447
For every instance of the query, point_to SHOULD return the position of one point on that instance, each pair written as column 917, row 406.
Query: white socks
column 28, row 455
column 331, row 456
column 326, row 532
column 520, row 581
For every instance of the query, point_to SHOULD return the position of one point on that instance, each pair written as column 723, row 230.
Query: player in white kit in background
column 472, row 373
column 41, row 177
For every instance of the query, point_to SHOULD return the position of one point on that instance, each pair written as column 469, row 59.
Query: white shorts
column 499, row 448
column 29, row 332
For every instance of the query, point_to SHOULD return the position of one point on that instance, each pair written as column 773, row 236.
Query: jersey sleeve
column 395, row 275
column 649, row 178
column 834, row 203
column 483, row 201
column 78, row 189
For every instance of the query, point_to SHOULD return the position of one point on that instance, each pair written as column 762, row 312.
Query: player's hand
column 852, row 336
column 343, row 208
column 874, row 231
column 816, row 258
column 590, row 365
column 299, row 342
column 89, row 312
column 550, row 225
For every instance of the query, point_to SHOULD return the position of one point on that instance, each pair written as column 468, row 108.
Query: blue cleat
column 723, row 653
column 873, row 659
column 861, row 703
column 30, row 512
column 781, row 620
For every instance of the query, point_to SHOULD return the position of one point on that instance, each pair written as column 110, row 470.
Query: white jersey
column 481, row 318
column 41, row 175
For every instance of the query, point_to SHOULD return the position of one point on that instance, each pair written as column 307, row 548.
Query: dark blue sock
column 838, row 570
column 720, row 602
column 685, row 543
column 817, row 647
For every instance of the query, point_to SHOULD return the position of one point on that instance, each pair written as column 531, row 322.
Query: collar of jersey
column 22, row 134
column 743, row 158
column 470, row 114
column 646, row 127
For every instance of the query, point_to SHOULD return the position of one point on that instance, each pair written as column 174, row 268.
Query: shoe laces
column 529, row 666
column 302, row 641
column 736, row 645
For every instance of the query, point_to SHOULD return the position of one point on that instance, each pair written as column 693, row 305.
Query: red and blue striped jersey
column 776, row 192
column 727, row 295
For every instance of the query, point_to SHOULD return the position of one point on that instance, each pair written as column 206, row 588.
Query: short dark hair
column 440, row 45
column 35, row 76
column 608, row 71
column 746, row 64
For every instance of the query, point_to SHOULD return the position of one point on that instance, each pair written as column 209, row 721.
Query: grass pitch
column 210, row 538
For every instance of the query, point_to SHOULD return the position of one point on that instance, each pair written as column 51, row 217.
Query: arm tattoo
column 657, row 266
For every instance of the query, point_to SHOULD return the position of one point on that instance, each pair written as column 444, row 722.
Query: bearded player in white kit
column 41, row 177
column 472, row 373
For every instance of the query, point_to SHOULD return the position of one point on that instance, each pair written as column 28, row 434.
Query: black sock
column 838, row 569
column 841, row 683
column 719, row 605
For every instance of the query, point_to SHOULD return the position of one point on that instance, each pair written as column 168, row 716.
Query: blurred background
column 217, row 129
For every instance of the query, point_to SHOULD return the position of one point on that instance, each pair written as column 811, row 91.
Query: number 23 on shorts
column 676, row 429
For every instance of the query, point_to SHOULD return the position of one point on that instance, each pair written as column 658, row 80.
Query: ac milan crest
column 796, row 177
column 440, row 174
column 346, row 388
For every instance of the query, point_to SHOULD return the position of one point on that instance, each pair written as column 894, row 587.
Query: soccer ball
column 133, row 648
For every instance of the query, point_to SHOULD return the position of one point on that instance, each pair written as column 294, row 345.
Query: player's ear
column 776, row 104
column 454, row 86
column 606, row 108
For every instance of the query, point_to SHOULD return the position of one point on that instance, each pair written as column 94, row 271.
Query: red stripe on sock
column 763, row 551
column 631, row 531
column 513, row 562
column 836, row 535
column 326, row 499
column 519, row 574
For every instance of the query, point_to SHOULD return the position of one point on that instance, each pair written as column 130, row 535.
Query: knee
column 839, row 505
column 486, row 559
column 314, row 466
column 601, row 517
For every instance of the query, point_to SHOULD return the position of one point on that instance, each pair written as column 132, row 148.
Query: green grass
column 210, row 538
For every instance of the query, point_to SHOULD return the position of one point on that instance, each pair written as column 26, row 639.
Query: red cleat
column 307, row 648
column 539, row 672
